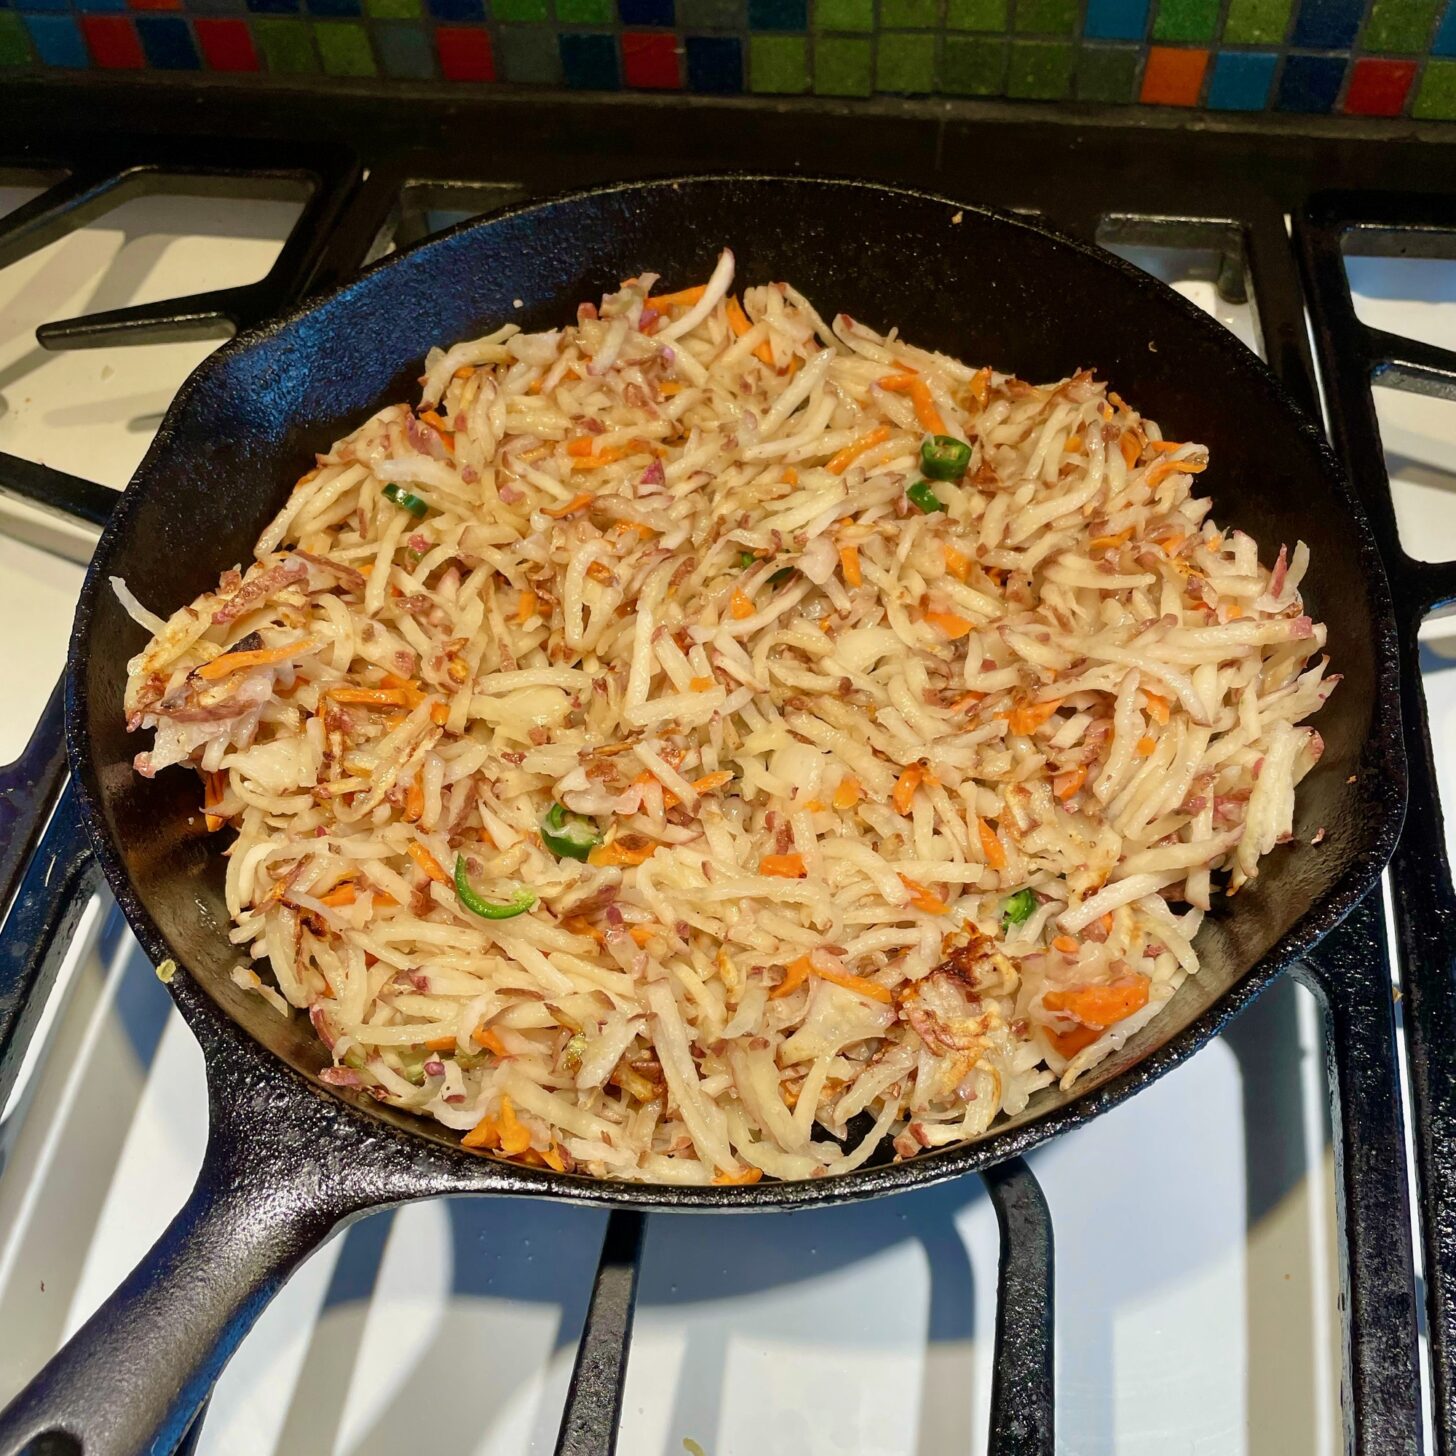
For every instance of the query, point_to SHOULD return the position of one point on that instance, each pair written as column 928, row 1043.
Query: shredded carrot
column 744, row 1175
column 1106, row 923
column 920, row 397
column 214, row 786
column 526, row 606
column 739, row 604
column 576, row 503
column 783, row 866
column 641, row 934
column 1028, row 717
column 405, row 697
column 485, row 1134
column 1103, row 543
column 838, row 463
column 440, row 1044
column 489, row 1038
column 739, row 323
column 991, row 845
column 1158, row 473
column 1130, row 449
column 701, row 684
column 922, row 899
column 1065, row 944
column 711, row 781
column 439, row 714
column 980, row 386
column 1069, row 1043
column 231, row 662
column 447, row 436
column 683, row 298
column 1165, row 447
column 414, row 800
column 956, row 562
column 514, row 1138
column 948, row 624
column 1073, row 445
column 849, row 565
column 1234, row 612
column 553, row 1159
column 582, row 445
column 464, row 371
column 427, row 862
column 903, row 795
column 668, row 390
column 1101, row 1006
column 858, row 984
column 1173, row 542
column 600, row 572
column 1146, row 747
column 580, row 925
column 379, row 899
column 1065, row 785
column 795, row 974
column 342, row 894
column 849, row 792
column 1157, row 707
column 790, row 476
column 609, row 456
column 304, row 479
column 618, row 853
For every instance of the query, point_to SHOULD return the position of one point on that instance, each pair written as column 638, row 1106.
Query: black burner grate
column 380, row 175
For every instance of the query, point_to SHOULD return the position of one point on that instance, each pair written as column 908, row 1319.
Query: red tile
column 651, row 61
column 113, row 42
column 155, row 4
column 1379, row 88
column 465, row 53
column 1173, row 77
column 227, row 44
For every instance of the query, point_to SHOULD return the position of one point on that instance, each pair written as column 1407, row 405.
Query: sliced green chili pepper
column 1017, row 910
column 746, row 559
column 518, row 904
column 921, row 494
column 781, row 576
column 568, row 835
column 412, row 503
column 942, row 457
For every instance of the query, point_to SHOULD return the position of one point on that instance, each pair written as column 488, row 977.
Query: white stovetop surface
column 1195, row 1302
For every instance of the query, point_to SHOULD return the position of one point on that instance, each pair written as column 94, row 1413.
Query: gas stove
column 1254, row 1255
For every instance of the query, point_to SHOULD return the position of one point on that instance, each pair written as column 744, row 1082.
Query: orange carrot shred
column 991, row 845
column 526, row 606
column 1157, row 707
column 711, row 781
column 920, row 396
column 783, row 866
column 1146, row 747
column 980, row 386
column 1101, row 1006
column 1069, row 1043
column 440, row 1044
column 795, row 974
column 849, row 792
column 576, row 503
column 427, row 862
column 1065, row 785
column 231, row 662
column 790, row 476
column 1028, row 717
column 414, row 800
column 740, row 606
column 683, row 298
column 405, row 697
column 922, row 899
column 489, row 1038
column 859, row 984
column 514, row 1138
column 1102, row 543
column 1065, row 944
column 957, row 563
column 701, row 684
column 620, row 853
column 485, row 1134
column 838, row 463
column 342, row 894
column 743, row 1176
column 849, row 565
column 903, row 795
column 948, row 624
column 581, row 445
column 1130, row 449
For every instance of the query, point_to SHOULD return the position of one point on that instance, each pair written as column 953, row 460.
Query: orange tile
column 1173, row 76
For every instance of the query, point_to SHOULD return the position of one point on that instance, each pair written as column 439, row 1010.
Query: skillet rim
column 437, row 1166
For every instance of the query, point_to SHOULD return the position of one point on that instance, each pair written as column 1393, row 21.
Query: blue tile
column 167, row 41
column 274, row 7
column 1445, row 41
column 778, row 14
column 457, row 9
column 46, row 5
column 589, row 61
column 404, row 50
column 715, row 63
column 646, row 12
column 1116, row 19
column 101, row 7
column 1241, row 80
column 335, row 8
column 57, row 41
column 1310, row 83
column 1328, row 25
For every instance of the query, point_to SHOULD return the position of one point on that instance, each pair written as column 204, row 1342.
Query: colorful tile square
column 155, row 4
column 1241, row 80
column 1173, row 77
column 344, row 49
column 15, row 44
column 843, row 67
column 905, row 64
column 1329, row 25
column 404, row 51
column 1444, row 43
column 58, row 6
column 336, row 9
column 465, row 53
column 973, row 65
column 844, row 14
column 1256, row 22
column 1436, row 100
column 57, row 41
column 456, row 10
column 1046, row 17
column 287, row 46
column 976, row 15
column 1186, row 20
column 112, row 41
column 711, row 14
column 589, row 62
column 585, row 12
column 167, row 43
column 778, row 14
column 1039, row 70
column 909, row 14
column 273, row 7
column 1107, row 74
column 646, row 12
column 100, row 7
column 651, row 62
column 715, row 64
column 778, row 65
column 1116, row 19
column 227, row 45
column 528, row 55
column 1310, row 83
column 1379, row 88
column 1399, row 25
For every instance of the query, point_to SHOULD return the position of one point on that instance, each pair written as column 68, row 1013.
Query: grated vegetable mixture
column 704, row 741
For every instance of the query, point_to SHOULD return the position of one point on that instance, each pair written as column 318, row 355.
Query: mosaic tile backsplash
column 1356, row 57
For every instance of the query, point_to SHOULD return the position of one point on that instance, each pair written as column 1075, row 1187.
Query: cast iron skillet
column 289, row 1161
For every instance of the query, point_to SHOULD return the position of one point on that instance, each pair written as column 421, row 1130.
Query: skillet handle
column 132, row 1378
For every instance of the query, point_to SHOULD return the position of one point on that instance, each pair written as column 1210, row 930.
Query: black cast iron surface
column 1084, row 193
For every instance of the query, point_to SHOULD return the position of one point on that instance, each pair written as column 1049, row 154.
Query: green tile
column 843, row 67
column 710, row 14
column 1107, row 73
column 523, row 10
column 973, row 65
column 345, row 48
column 392, row 9
column 909, row 14
column 778, row 64
column 844, row 14
column 1399, row 25
column 1436, row 100
column 1046, row 17
column 1186, row 20
column 584, row 12
column 975, row 15
column 287, row 46
column 14, row 47
column 528, row 54
column 1039, row 70
column 905, row 64
column 1256, row 22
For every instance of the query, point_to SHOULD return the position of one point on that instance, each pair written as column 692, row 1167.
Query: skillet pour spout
column 289, row 1160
